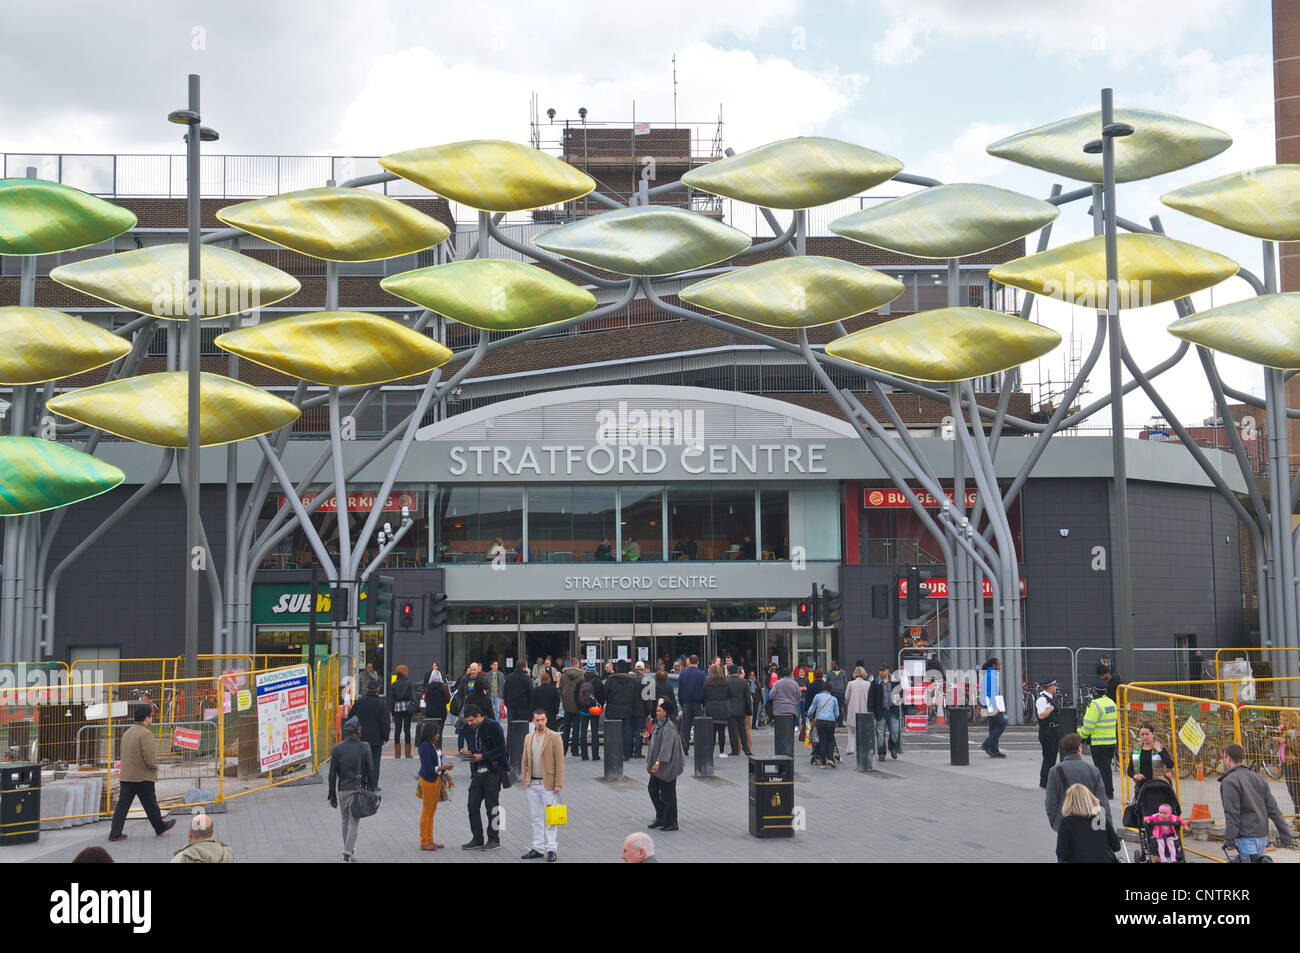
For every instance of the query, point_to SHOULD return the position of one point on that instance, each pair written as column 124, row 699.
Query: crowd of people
column 566, row 703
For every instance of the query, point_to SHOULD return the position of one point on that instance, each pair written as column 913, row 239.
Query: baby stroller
column 1146, row 801
column 814, row 760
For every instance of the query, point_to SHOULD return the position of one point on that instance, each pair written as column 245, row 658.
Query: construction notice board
column 283, row 717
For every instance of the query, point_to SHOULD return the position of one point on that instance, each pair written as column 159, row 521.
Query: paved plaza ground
column 918, row 808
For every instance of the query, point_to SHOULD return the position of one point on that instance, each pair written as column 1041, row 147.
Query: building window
column 774, row 507
column 711, row 522
column 471, row 520
column 571, row 524
column 642, row 524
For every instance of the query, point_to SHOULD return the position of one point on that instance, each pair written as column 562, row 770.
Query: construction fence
column 255, row 724
column 1195, row 721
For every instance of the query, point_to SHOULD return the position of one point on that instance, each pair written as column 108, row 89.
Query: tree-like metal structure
column 938, row 355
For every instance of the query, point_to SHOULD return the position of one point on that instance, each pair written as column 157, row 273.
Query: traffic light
column 805, row 613
column 915, row 576
column 383, row 598
column 437, row 610
column 338, row 604
column 406, row 614
column 880, row 601
column 831, row 605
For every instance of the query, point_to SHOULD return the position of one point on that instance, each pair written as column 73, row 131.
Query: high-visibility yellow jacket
column 1100, row 722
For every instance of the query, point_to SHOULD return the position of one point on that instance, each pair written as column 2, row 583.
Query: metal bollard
column 866, row 740
column 959, row 736
column 516, row 732
column 703, row 747
column 783, row 735
column 613, row 748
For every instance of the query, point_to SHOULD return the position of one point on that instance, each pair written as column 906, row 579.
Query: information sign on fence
column 1192, row 735
column 283, row 722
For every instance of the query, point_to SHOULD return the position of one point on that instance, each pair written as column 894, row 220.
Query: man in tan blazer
column 139, row 771
column 542, row 770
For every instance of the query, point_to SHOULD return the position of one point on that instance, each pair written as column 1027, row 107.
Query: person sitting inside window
column 604, row 552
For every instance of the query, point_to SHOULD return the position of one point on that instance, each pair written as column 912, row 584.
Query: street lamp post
column 195, row 558
column 1120, row 565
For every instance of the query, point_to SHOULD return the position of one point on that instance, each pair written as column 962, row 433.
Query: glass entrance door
column 539, row 645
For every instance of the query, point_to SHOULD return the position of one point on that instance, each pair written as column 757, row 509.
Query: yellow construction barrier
column 78, row 724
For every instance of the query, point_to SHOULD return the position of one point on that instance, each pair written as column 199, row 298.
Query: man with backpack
column 837, row 680
column 569, row 681
column 587, row 695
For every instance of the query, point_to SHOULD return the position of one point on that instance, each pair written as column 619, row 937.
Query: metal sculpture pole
column 195, row 557
column 1120, row 564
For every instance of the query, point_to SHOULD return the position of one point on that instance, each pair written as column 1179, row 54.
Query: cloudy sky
column 930, row 81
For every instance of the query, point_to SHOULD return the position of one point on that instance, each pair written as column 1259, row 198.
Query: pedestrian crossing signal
column 805, row 614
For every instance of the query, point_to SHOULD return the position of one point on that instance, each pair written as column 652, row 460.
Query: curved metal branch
column 821, row 357
column 52, row 587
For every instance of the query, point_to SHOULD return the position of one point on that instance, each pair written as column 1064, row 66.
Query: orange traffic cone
column 1200, row 812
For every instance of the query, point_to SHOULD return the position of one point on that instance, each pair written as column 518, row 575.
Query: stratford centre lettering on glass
column 579, row 460
column 629, row 582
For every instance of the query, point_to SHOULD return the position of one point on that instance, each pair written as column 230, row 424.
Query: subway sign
column 292, row 603
column 938, row 588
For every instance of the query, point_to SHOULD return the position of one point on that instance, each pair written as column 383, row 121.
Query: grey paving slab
column 917, row 808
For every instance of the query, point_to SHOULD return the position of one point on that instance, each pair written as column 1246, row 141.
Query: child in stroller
column 1165, row 826
column 1156, row 814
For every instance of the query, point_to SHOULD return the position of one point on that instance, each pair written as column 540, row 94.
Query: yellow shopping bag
column 557, row 815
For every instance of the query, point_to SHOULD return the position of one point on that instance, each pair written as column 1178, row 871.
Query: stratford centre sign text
column 761, row 459
column 590, row 583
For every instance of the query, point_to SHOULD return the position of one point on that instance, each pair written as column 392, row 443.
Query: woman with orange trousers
column 432, row 769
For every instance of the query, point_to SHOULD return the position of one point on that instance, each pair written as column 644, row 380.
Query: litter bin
column 20, row 803
column 771, row 796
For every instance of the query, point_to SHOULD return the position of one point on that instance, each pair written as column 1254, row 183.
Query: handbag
column 803, row 733
column 364, row 801
column 557, row 815
column 444, row 794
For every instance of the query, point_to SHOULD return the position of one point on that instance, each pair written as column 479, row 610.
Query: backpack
column 457, row 701
column 586, row 694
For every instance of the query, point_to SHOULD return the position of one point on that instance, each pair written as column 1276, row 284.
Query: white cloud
column 1119, row 30
column 762, row 98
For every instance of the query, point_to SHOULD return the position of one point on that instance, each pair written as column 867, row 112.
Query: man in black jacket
column 473, row 688
column 519, row 693
column 737, row 690
column 547, row 697
column 485, row 746
column 623, row 701
column 345, row 779
column 372, row 713
column 884, row 708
